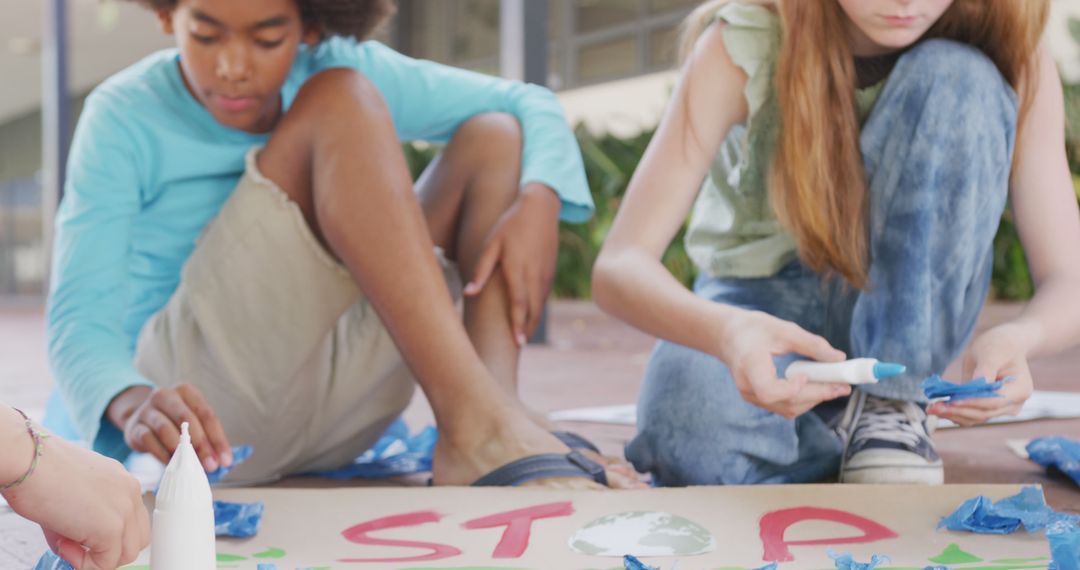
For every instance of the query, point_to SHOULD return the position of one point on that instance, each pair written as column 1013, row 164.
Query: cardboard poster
column 694, row 528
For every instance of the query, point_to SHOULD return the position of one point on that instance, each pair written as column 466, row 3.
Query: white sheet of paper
column 1041, row 405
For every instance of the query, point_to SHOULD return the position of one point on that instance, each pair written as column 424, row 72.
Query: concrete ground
column 591, row 360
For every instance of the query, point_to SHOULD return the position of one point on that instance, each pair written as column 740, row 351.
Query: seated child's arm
column 1044, row 206
column 629, row 280
column 429, row 101
column 90, row 353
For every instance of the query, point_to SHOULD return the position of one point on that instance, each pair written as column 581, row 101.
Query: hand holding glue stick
column 856, row 371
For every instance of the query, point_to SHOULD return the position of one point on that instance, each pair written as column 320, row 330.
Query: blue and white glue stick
column 857, row 371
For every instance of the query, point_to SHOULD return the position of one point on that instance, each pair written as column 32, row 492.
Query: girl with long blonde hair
column 857, row 156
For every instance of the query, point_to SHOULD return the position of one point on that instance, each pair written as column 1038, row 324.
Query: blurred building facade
column 609, row 60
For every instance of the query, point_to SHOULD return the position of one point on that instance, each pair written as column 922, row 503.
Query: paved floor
column 591, row 360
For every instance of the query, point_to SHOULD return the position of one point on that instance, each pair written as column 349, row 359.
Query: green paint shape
column 953, row 555
column 1018, row 560
column 467, row 568
column 230, row 558
column 271, row 553
column 1005, row 567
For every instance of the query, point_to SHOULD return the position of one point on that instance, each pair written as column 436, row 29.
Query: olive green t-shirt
column 733, row 230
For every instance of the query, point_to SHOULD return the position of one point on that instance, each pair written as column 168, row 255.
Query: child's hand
column 524, row 244
column 752, row 339
column 998, row 353
column 89, row 508
column 151, row 418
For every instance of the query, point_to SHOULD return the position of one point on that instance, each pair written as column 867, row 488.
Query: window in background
column 593, row 15
column 589, row 41
column 22, row 251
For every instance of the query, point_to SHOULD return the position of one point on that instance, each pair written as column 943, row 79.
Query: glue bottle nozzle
column 888, row 370
column 185, row 437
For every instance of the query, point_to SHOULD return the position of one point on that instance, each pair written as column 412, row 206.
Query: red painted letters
column 774, row 524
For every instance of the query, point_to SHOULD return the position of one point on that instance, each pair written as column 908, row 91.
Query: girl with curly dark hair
column 240, row 247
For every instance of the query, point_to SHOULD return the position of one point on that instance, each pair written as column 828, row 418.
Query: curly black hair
column 354, row 18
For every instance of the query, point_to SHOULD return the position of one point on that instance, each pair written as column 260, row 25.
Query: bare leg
column 335, row 153
column 463, row 193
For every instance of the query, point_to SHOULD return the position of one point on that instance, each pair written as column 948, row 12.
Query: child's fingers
column 813, row 393
column 811, row 345
column 769, row 390
column 74, row 554
column 209, row 423
column 519, row 303
column 982, row 404
column 143, row 439
column 485, row 266
column 106, row 556
column 965, row 416
column 536, row 303
column 164, row 426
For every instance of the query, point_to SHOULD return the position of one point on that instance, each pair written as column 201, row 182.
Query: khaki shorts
column 277, row 336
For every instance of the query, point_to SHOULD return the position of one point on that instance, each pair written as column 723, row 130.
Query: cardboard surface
column 735, row 526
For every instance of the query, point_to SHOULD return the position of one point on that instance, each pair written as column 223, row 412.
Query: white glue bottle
column 856, row 371
column 183, row 529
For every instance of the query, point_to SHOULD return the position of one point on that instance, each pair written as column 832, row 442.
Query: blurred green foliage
column 611, row 161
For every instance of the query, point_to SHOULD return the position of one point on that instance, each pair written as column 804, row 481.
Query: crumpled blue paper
column 937, row 388
column 1064, row 537
column 846, row 562
column 240, row 455
column 396, row 453
column 1058, row 452
column 981, row 515
column 769, row 566
column 265, row 566
column 50, row 561
column 237, row 520
column 632, row 563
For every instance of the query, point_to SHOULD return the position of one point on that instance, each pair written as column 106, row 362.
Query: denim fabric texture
column 938, row 151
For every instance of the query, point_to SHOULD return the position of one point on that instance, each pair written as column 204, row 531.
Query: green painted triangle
column 953, row 555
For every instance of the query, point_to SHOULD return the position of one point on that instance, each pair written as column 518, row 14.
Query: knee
column 491, row 137
column 337, row 97
column 963, row 69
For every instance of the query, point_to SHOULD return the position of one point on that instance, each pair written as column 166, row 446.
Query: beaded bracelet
column 39, row 443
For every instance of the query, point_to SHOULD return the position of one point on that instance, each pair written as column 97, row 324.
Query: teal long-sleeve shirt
column 149, row 167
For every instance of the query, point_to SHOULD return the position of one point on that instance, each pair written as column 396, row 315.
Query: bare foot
column 494, row 440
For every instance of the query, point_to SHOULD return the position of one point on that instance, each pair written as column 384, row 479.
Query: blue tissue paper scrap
column 937, row 388
column 769, row 566
column 632, row 563
column 50, row 561
column 396, row 453
column 981, row 515
column 1058, row 452
column 1064, row 536
column 240, row 455
column 266, row 567
column 237, row 520
column 846, row 562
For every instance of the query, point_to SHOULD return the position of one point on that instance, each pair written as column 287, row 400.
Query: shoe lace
column 891, row 420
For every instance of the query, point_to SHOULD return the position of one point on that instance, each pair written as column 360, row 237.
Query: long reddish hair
column 818, row 184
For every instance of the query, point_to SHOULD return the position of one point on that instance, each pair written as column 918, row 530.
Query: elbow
column 604, row 280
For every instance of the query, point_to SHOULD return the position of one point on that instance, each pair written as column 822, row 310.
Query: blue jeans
column 937, row 150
